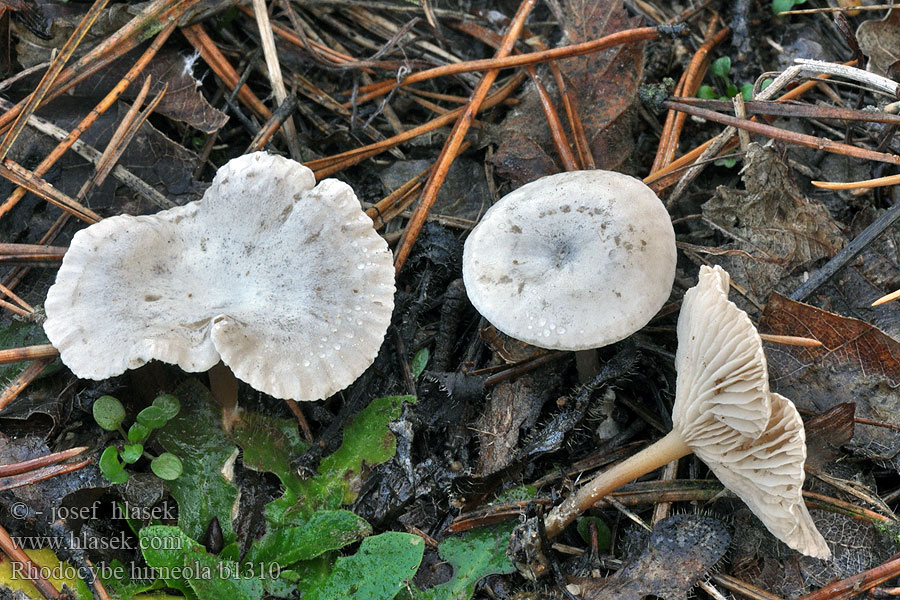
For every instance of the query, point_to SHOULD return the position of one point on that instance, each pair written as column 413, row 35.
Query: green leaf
column 169, row 404
column 747, row 92
column 111, row 467
column 706, row 92
column 377, row 572
column 780, row 6
column 138, row 434
column 152, row 417
column 583, row 526
column 367, row 442
column 116, row 577
column 323, row 531
column 728, row 163
column 166, row 466
column 170, row 550
column 474, row 555
column 721, row 67
column 731, row 90
column 419, row 361
column 195, row 435
column 108, row 412
column 269, row 443
column 132, row 452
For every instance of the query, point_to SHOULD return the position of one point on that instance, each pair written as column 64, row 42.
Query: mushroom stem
column 667, row 449
column 588, row 364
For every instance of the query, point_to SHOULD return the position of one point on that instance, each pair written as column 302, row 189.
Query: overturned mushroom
column 283, row 280
column 751, row 439
column 572, row 261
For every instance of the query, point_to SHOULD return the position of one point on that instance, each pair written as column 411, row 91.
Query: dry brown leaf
column 681, row 551
column 880, row 42
column 603, row 85
column 772, row 221
column 845, row 341
column 182, row 101
column 856, row 362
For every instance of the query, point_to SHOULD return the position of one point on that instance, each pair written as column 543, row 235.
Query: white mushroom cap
column 283, row 280
column 751, row 439
column 572, row 261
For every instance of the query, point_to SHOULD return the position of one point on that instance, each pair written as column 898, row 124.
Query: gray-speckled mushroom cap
column 572, row 261
column 285, row 281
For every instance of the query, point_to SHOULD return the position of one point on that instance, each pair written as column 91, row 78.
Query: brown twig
column 31, row 254
column 456, row 138
column 801, row 139
column 154, row 17
column 22, row 380
column 782, row 109
column 790, row 340
column 295, row 409
column 332, row 164
column 669, row 175
column 273, row 124
column 33, row 464
column 531, row 58
column 210, row 53
column 857, row 584
column 693, row 76
column 275, row 79
column 27, row 353
column 21, row 176
column 121, row 137
column 557, row 132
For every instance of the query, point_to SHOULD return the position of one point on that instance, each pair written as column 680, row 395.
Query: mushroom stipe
column 750, row 438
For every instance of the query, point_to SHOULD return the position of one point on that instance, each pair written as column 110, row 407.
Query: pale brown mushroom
column 751, row 439
column 285, row 281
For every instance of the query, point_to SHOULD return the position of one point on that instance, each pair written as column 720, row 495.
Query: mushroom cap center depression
column 572, row 261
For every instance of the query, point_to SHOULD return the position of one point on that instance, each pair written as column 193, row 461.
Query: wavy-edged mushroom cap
column 767, row 474
column 751, row 439
column 572, row 261
column 285, row 281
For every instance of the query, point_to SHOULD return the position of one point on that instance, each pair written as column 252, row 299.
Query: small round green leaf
column 747, row 92
column 780, row 6
column 132, row 452
column 152, row 417
column 721, row 67
column 108, row 412
column 166, row 466
column 111, row 467
column 169, row 405
column 706, row 92
column 138, row 434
